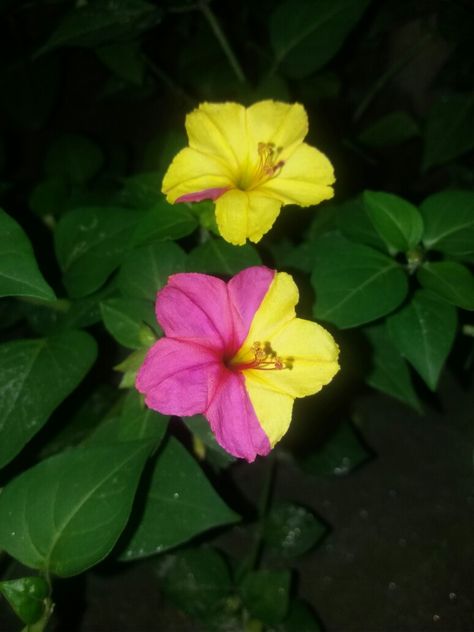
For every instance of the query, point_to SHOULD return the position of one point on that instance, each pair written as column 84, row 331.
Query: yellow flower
column 251, row 161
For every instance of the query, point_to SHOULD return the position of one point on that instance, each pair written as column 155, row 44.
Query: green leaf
column 164, row 221
column 101, row 21
column 19, row 272
column 291, row 529
column 306, row 34
column 266, row 594
column 212, row 451
column 339, row 455
column 66, row 513
column 90, row 243
column 141, row 191
column 300, row 619
column 197, row 581
column 354, row 284
column 449, row 280
column 392, row 129
column 74, row 158
column 124, row 59
column 49, row 197
column 126, row 320
column 389, row 372
column 180, row 504
column 398, row 222
column 35, row 377
column 423, row 332
column 146, row 270
column 449, row 222
column 354, row 223
column 449, row 129
column 216, row 256
column 26, row 596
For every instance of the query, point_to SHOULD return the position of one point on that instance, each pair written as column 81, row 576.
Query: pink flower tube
column 236, row 353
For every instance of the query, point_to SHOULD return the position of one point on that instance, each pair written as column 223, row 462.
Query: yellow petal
column 311, row 354
column 275, row 122
column 219, row 129
column 304, row 179
column 273, row 409
column 192, row 171
column 241, row 215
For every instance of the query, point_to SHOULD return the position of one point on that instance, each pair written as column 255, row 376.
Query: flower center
column 264, row 359
column 267, row 166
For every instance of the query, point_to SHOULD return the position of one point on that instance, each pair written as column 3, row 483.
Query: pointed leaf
column 449, row 280
column 292, row 529
column 449, row 222
column 27, row 597
column 125, row 319
column 398, row 222
column 74, row 158
column 19, row 272
column 216, row 256
column 423, row 333
column 164, row 221
column 66, row 513
column 392, row 129
column 266, row 594
column 354, row 284
column 180, row 504
column 35, row 377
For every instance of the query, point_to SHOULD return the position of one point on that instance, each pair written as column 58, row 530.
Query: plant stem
column 222, row 39
column 162, row 76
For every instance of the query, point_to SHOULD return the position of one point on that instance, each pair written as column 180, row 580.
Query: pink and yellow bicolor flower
column 236, row 353
column 250, row 161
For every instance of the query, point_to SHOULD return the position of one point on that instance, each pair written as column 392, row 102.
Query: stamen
column 265, row 359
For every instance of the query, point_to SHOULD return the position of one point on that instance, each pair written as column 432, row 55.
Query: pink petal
column 206, row 194
column 246, row 292
column 179, row 378
column 233, row 419
column 196, row 306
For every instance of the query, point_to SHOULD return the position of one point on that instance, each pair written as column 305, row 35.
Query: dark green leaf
column 100, row 21
column 423, row 332
column 90, row 243
column 398, row 222
column 66, row 513
column 353, row 222
column 305, row 34
column 211, row 450
column 389, row 130
column 291, row 529
column 145, row 271
column 389, row 372
column 339, row 455
column 164, row 221
column 129, row 321
column 74, row 158
column 449, row 129
column 26, row 596
column 354, row 284
column 450, row 280
column 266, row 594
column 216, row 256
column 49, row 197
column 449, row 222
column 197, row 581
column 141, row 191
column 19, row 272
column 125, row 59
column 300, row 619
column 35, row 377
column 180, row 504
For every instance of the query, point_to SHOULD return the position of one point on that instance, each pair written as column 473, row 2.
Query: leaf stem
column 222, row 39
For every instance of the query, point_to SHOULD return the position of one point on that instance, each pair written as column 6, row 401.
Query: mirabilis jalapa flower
column 236, row 353
column 250, row 161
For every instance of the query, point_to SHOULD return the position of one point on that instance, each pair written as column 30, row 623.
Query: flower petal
column 245, row 214
column 233, row 420
column 283, row 124
column 179, row 378
column 304, row 179
column 313, row 361
column 192, row 172
column 273, row 409
column 247, row 290
column 219, row 129
column 196, row 307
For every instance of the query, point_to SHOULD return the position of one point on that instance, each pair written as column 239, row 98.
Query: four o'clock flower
column 250, row 161
column 237, row 353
